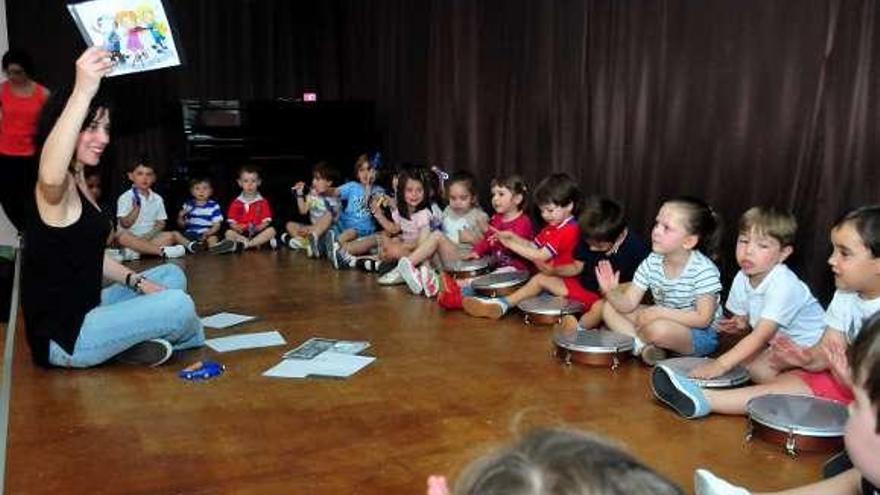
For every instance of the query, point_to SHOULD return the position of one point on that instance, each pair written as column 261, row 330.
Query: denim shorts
column 705, row 340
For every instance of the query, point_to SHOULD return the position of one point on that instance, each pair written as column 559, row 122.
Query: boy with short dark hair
column 321, row 206
column 141, row 215
column 200, row 216
column 249, row 215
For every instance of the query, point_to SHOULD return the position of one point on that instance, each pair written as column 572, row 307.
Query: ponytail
column 702, row 221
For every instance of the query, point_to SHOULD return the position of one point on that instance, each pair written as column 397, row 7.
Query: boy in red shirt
column 558, row 197
column 249, row 215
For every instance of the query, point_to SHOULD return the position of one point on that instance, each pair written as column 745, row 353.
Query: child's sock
column 505, row 304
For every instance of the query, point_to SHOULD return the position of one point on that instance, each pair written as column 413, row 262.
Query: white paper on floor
column 246, row 341
column 224, row 320
column 328, row 363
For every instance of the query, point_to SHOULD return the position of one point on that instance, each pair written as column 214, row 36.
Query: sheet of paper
column 224, row 320
column 246, row 341
column 326, row 364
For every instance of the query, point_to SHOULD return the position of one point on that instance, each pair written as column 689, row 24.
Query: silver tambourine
column 597, row 347
column 470, row 268
column 548, row 310
column 499, row 284
column 798, row 422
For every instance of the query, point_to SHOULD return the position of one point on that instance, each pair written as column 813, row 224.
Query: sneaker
column 314, row 248
column 177, row 251
column 410, row 275
column 450, row 299
column 430, row 280
column 651, row 354
column 386, row 266
column 391, row 278
column 484, row 308
column 130, row 254
column 223, row 247
column 149, row 352
column 365, row 263
column 706, row 483
column 331, row 240
column 294, row 242
column 679, row 392
column 196, row 247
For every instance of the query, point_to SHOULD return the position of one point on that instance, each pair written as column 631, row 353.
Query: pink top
column 410, row 228
column 521, row 226
column 18, row 123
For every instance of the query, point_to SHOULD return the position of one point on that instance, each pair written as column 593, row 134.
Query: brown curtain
column 740, row 102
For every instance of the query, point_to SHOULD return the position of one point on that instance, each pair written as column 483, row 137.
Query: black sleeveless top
column 62, row 271
column 868, row 488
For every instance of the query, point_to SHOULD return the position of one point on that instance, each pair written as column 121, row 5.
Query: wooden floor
column 444, row 388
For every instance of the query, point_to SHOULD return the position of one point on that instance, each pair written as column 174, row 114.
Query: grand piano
column 282, row 137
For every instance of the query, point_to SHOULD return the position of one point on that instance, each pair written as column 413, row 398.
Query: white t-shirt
column 783, row 298
column 453, row 224
column 700, row 277
column 848, row 312
column 152, row 210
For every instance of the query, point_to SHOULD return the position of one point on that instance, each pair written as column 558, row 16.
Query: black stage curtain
column 742, row 102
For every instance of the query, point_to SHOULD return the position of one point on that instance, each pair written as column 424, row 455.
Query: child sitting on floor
column 684, row 282
column 410, row 221
column 321, row 206
column 861, row 367
column 200, row 216
column 605, row 237
column 355, row 226
column 141, row 215
column 249, row 215
column 765, row 298
column 464, row 223
column 557, row 461
column 558, row 198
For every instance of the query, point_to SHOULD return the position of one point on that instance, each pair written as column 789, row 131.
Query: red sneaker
column 450, row 300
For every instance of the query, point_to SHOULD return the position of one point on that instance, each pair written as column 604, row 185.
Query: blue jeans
column 705, row 341
column 125, row 318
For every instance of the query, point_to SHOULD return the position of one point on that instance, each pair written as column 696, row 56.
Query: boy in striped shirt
column 200, row 217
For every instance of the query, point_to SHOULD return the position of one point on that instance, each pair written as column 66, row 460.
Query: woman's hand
column 91, row 66
column 147, row 286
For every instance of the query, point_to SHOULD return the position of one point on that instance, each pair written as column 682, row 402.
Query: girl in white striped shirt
column 683, row 280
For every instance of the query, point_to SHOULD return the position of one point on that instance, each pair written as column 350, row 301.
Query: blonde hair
column 780, row 225
column 559, row 461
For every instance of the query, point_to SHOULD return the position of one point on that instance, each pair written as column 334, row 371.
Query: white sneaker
column 173, row 251
column 410, row 275
column 430, row 280
column 706, row 483
column 391, row 278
